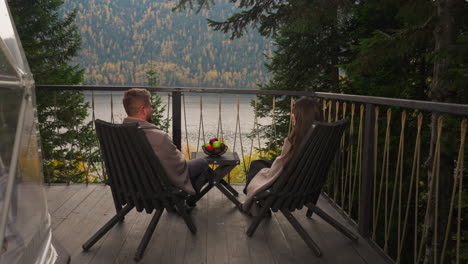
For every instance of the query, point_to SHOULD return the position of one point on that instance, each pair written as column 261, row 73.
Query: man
column 189, row 176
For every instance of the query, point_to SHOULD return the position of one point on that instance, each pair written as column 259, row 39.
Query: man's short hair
column 134, row 98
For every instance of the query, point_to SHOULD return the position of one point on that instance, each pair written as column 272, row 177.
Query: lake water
column 193, row 114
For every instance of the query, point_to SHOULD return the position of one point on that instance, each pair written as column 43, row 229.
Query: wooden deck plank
column 98, row 216
column 105, row 211
column 300, row 251
column 235, row 224
column 195, row 249
column 329, row 240
column 174, row 247
column 217, row 244
column 259, row 251
column 363, row 249
column 158, row 241
column 134, row 237
column 79, row 225
column 53, row 192
column 58, row 195
column 71, row 204
column 276, row 240
column 220, row 238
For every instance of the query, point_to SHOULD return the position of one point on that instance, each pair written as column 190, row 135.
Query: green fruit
column 216, row 144
column 206, row 145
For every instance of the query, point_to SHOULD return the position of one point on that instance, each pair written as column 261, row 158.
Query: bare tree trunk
column 445, row 33
column 334, row 71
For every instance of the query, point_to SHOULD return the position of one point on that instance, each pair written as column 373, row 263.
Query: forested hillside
column 119, row 39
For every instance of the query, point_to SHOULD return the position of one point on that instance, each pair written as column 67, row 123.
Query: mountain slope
column 121, row 37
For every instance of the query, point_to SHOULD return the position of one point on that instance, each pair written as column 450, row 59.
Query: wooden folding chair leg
column 148, row 233
column 302, row 232
column 229, row 187
column 187, row 219
column 345, row 231
column 111, row 223
column 258, row 219
column 228, row 194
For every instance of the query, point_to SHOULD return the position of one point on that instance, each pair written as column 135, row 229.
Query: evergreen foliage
column 51, row 42
column 156, row 101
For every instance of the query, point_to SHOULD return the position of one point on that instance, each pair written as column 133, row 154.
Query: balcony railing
column 398, row 176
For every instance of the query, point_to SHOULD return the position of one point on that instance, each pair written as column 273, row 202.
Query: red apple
column 209, row 148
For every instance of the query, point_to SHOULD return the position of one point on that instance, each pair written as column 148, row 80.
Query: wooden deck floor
column 78, row 211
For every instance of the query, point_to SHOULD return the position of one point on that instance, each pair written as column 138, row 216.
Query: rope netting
column 384, row 177
column 349, row 163
column 238, row 129
column 433, row 184
column 398, row 183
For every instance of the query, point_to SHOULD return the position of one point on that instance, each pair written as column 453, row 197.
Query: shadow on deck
column 78, row 211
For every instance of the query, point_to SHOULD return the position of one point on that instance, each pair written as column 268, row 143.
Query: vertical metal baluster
column 220, row 123
column 200, row 125
column 273, row 126
column 112, row 107
column 168, row 107
column 291, row 108
column 186, row 130
column 255, row 131
column 56, row 118
column 257, row 126
column 72, row 156
column 240, row 134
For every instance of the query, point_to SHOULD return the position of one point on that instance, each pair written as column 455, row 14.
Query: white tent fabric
column 25, row 230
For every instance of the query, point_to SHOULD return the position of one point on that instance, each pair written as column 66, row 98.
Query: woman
column 263, row 173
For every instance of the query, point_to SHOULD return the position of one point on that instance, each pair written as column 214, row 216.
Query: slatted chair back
column 135, row 174
column 303, row 179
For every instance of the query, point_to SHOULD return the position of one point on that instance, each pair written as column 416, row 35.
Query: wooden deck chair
column 137, row 180
column 302, row 181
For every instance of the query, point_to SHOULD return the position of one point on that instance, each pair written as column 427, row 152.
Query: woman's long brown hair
column 306, row 110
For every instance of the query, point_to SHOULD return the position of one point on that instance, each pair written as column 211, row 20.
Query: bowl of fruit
column 214, row 148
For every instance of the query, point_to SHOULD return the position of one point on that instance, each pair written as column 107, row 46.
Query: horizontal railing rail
column 455, row 109
column 172, row 89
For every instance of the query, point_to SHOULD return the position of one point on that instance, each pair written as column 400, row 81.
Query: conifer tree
column 51, row 41
column 156, row 101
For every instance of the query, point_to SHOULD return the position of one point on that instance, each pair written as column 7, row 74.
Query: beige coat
column 172, row 160
column 265, row 178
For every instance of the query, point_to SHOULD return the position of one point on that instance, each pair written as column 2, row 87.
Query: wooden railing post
column 176, row 119
column 365, row 199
